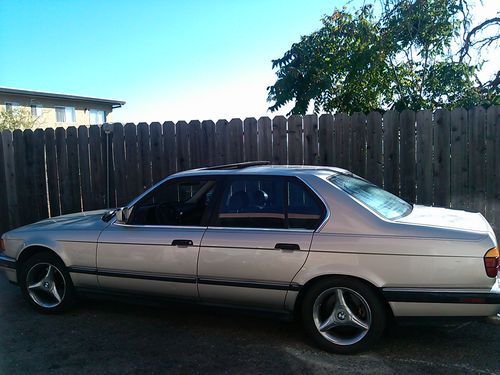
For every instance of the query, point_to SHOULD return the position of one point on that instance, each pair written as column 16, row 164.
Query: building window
column 36, row 110
column 9, row 106
column 65, row 114
column 97, row 117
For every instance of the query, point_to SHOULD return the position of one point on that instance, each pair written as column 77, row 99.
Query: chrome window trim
column 327, row 208
column 261, row 229
column 203, row 227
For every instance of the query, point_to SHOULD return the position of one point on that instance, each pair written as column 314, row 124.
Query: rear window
column 384, row 203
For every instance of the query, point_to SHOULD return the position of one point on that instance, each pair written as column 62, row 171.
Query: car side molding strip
column 436, row 296
column 133, row 275
column 186, row 279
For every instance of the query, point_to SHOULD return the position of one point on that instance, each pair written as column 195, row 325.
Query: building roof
column 53, row 95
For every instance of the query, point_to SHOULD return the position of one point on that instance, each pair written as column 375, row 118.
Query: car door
column 258, row 239
column 156, row 251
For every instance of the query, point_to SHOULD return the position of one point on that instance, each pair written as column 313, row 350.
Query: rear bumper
column 442, row 303
column 445, row 296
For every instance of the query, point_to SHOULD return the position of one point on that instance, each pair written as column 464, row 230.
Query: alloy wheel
column 46, row 285
column 342, row 316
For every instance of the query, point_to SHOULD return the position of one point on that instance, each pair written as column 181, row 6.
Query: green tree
column 411, row 54
column 17, row 118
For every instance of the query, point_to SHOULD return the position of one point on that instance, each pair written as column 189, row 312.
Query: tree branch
column 464, row 51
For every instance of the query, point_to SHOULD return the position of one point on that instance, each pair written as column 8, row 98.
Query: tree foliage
column 412, row 54
column 17, row 118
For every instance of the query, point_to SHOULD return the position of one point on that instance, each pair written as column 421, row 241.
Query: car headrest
column 238, row 201
column 260, row 198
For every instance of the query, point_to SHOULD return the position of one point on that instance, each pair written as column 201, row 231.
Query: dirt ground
column 109, row 337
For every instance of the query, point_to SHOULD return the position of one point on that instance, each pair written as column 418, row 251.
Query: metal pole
column 108, row 128
column 107, row 170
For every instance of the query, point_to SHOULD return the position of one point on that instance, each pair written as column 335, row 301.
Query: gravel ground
column 101, row 337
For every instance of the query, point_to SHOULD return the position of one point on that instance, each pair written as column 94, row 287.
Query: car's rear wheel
column 46, row 283
column 343, row 315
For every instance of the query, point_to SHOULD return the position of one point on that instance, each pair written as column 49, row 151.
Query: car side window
column 175, row 203
column 252, row 203
column 304, row 210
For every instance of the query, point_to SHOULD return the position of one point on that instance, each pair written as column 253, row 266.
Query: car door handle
column 182, row 243
column 287, row 246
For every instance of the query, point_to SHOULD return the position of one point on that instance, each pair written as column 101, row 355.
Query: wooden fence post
column 441, row 165
column 374, row 158
column 391, row 151
column 326, row 146
column 279, row 140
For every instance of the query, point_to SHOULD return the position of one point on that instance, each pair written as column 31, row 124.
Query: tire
column 347, row 324
column 46, row 284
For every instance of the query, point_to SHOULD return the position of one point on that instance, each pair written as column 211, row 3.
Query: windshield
column 384, row 203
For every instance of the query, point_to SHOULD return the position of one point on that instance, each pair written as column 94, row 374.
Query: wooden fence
column 445, row 158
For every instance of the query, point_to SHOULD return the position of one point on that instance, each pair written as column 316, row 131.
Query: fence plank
column 442, row 140
column 39, row 176
column 343, row 127
column 10, row 175
column 182, row 139
column 195, row 144
column 74, row 178
column 52, row 179
column 295, row 142
column 424, row 157
column 326, row 156
column 221, row 141
column 459, row 163
column 337, row 139
column 143, row 139
column 169, row 162
column 156, row 150
column 407, row 155
column 63, row 171
column 391, row 151
column 235, row 145
column 358, row 144
column 83, row 159
column 97, row 174
column 279, row 140
column 311, row 145
column 374, row 157
column 22, row 190
column 477, row 170
column 132, row 161
column 250, row 139
column 264, row 135
column 208, row 141
column 4, row 219
column 494, row 118
column 29, row 177
column 493, row 167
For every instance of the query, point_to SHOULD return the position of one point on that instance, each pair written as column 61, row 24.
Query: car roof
column 262, row 168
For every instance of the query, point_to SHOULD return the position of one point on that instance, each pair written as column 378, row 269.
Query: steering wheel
column 165, row 213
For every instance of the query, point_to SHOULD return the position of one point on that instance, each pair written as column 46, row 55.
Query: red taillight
column 491, row 262
column 2, row 245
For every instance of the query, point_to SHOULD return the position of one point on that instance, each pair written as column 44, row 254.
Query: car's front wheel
column 343, row 315
column 46, row 284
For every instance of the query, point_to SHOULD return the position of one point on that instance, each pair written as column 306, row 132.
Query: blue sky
column 170, row 60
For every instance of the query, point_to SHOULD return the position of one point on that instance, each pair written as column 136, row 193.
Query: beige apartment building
column 53, row 109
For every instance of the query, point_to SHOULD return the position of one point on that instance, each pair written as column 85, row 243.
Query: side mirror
column 122, row 215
